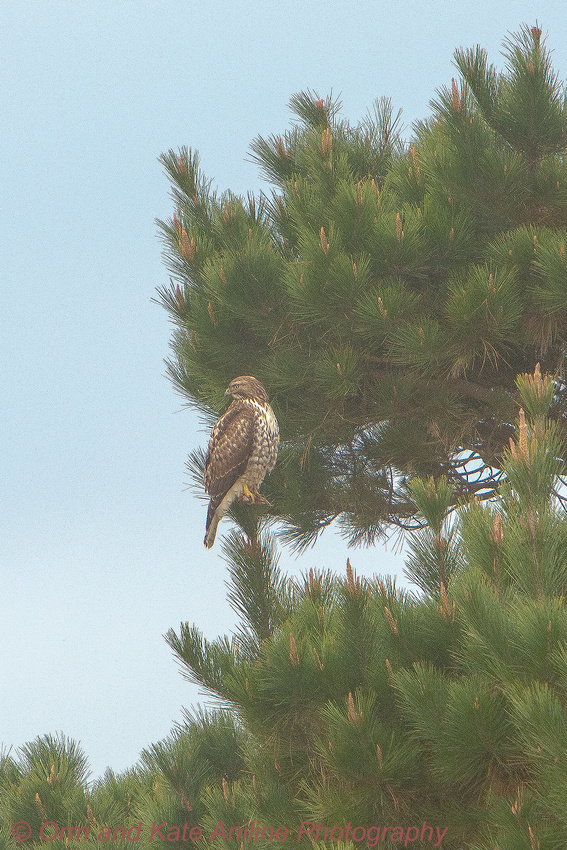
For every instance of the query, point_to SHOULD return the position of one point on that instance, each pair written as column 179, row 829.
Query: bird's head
column 247, row 387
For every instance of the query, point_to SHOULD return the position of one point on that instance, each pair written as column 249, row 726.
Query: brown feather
column 229, row 448
column 242, row 448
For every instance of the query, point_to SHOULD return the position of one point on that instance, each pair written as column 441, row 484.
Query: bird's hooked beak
column 227, row 391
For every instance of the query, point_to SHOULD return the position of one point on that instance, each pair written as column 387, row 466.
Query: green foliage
column 386, row 294
column 344, row 700
column 372, row 704
column 397, row 302
column 434, row 550
column 46, row 782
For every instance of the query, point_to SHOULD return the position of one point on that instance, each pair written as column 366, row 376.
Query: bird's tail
column 214, row 516
column 218, row 506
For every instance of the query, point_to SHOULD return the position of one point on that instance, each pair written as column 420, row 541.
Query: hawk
column 242, row 449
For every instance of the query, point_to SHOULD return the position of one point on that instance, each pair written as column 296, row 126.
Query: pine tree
column 371, row 706
column 386, row 294
column 47, row 783
column 389, row 297
column 346, row 701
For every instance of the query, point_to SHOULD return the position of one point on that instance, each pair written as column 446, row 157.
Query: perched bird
column 242, row 449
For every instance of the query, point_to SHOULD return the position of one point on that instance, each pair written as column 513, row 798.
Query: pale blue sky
column 100, row 543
